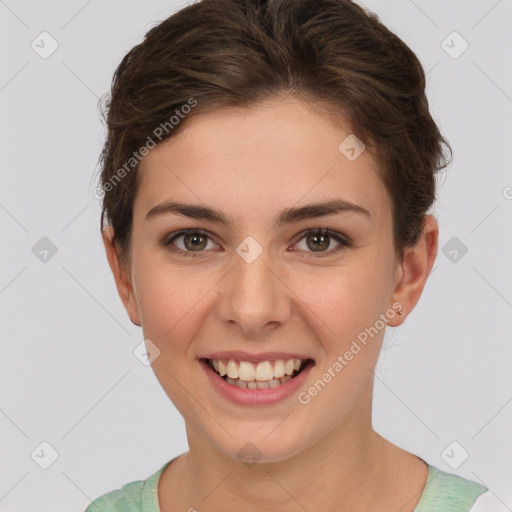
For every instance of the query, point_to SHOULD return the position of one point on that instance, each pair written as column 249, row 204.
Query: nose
column 253, row 297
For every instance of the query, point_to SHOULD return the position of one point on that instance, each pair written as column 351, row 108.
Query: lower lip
column 268, row 396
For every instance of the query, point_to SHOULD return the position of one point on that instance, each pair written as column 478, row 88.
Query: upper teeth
column 262, row 371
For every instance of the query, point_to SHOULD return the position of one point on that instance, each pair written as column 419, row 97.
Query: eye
column 320, row 239
column 193, row 241
column 196, row 241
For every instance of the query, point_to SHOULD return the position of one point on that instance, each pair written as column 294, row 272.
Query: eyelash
column 343, row 241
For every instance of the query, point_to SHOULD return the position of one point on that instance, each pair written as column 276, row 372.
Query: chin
column 261, row 447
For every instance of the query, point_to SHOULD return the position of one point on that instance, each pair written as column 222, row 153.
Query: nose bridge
column 253, row 296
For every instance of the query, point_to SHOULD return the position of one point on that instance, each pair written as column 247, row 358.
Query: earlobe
column 123, row 282
column 415, row 269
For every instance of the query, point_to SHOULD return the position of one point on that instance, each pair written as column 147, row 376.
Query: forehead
column 259, row 160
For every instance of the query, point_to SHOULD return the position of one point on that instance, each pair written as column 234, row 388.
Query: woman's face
column 256, row 285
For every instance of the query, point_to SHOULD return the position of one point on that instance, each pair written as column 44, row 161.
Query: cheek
column 170, row 300
column 344, row 311
column 341, row 302
column 172, row 304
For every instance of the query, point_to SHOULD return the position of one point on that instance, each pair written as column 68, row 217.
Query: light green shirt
column 443, row 492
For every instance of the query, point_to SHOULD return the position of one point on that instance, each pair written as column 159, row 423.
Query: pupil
column 317, row 245
column 195, row 240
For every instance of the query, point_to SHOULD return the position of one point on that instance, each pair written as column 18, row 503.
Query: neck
column 311, row 479
column 353, row 468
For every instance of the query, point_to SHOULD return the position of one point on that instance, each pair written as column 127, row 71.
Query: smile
column 262, row 375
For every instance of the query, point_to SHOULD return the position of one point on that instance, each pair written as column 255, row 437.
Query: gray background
column 68, row 373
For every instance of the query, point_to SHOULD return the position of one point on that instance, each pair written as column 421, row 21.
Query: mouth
column 261, row 375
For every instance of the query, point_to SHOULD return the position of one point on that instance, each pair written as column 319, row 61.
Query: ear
column 414, row 269
column 123, row 283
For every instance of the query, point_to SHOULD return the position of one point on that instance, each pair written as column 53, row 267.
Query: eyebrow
column 286, row 216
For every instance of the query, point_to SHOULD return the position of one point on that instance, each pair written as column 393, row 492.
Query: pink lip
column 269, row 396
column 240, row 355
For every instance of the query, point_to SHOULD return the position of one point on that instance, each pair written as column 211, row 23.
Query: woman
column 267, row 174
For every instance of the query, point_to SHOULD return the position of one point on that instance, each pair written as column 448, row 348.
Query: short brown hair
column 236, row 53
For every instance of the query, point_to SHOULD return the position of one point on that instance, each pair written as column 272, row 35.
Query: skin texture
column 250, row 164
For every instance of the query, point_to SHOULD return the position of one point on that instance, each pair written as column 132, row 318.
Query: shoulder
column 138, row 496
column 446, row 492
column 126, row 499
